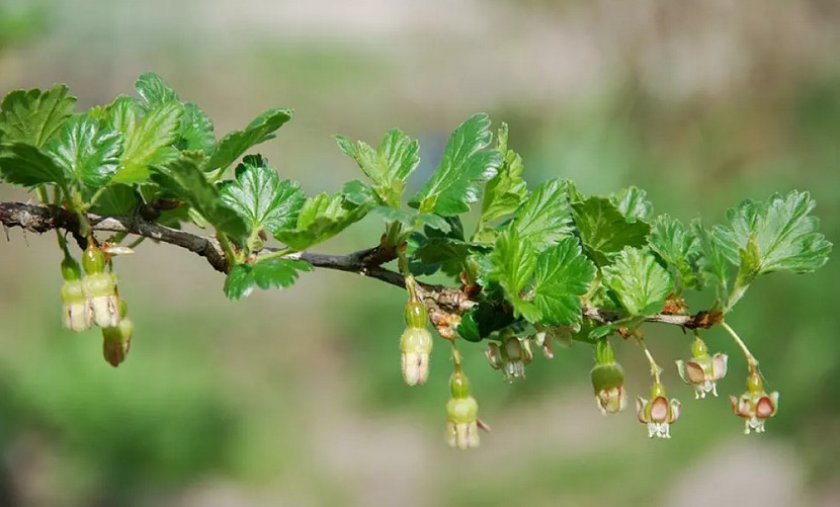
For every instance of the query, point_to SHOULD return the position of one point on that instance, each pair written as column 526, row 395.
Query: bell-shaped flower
column 702, row 371
column 511, row 357
column 102, row 299
column 608, row 383
column 755, row 406
column 74, row 309
column 116, row 341
column 415, row 347
column 461, row 414
column 658, row 413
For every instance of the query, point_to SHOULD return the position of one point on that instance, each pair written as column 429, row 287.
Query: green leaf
column 639, row 282
column 545, row 217
column 604, row 230
column 116, row 201
column 24, row 164
column 261, row 198
column 196, row 130
column 678, row 247
column 87, row 151
column 413, row 219
column 203, row 197
column 388, row 166
column 448, row 253
column 504, row 193
column 34, row 116
column 467, row 162
column 632, row 202
column 714, row 269
column 235, row 144
column 264, row 274
column 148, row 139
column 777, row 235
column 154, row 91
column 544, row 288
column 321, row 217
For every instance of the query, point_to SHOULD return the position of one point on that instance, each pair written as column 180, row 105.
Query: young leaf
column 148, row 140
column 261, row 198
column 26, row 165
column 467, row 162
column 546, row 288
column 413, row 219
column 388, row 166
column 714, row 269
column 196, row 131
column 34, row 116
column 184, row 176
column 320, row 218
column 233, row 145
column 638, row 281
column 777, row 235
column 632, row 202
column 154, row 91
column 506, row 190
column 87, row 151
column 264, row 274
column 678, row 247
column 545, row 217
column 604, row 230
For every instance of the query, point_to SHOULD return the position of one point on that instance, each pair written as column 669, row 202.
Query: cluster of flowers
column 702, row 372
column 93, row 299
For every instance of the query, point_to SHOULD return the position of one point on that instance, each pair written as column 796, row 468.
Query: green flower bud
column 102, row 300
column 459, row 385
column 608, row 383
column 416, row 315
column 70, row 269
column 93, row 260
column 415, row 347
column 116, row 341
column 462, row 423
column 75, row 313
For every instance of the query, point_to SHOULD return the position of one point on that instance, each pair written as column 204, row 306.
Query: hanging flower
column 658, row 413
column 100, row 289
column 116, row 341
column 755, row 406
column 608, row 380
column 511, row 357
column 702, row 371
column 461, row 414
column 415, row 344
column 74, row 309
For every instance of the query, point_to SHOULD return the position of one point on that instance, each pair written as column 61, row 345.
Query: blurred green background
column 295, row 398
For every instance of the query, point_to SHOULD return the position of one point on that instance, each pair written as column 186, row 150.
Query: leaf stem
column 751, row 360
column 277, row 253
column 227, row 248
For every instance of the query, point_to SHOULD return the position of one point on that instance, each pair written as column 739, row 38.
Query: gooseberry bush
column 541, row 266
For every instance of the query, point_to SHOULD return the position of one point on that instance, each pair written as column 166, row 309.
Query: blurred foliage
column 20, row 22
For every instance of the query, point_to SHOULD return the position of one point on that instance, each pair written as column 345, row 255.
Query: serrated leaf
column 235, row 144
column 633, row 203
column 678, row 247
column 154, row 91
column 203, row 197
column 148, row 139
column 264, row 274
column 387, row 166
column 34, row 116
column 261, row 198
column 777, row 235
column 26, row 165
column 604, row 230
column 545, row 217
column 714, row 269
column 482, row 320
column 87, row 150
column 116, row 201
column 638, row 281
column 544, row 288
column 450, row 253
column 506, row 191
column 196, row 131
column 321, row 217
column 467, row 162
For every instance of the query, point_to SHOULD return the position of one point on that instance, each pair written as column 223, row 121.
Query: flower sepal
column 702, row 371
column 755, row 406
column 658, row 413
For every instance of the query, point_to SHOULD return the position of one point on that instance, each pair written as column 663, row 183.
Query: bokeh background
column 294, row 398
